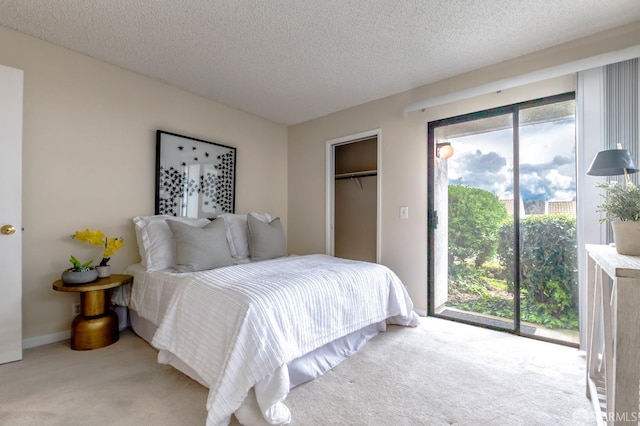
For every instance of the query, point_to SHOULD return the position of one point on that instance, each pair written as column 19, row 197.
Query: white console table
column 613, row 335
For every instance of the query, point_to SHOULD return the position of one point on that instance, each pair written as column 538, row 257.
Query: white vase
column 103, row 271
column 626, row 235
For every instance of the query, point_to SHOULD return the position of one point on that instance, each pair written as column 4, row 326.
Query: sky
column 547, row 162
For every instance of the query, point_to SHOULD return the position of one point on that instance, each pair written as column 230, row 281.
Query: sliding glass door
column 502, row 209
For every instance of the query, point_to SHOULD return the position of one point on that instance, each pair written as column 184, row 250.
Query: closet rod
column 356, row 174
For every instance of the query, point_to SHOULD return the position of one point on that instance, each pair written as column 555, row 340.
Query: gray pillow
column 199, row 249
column 266, row 240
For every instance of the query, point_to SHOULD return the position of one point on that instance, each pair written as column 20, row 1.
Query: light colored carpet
column 440, row 373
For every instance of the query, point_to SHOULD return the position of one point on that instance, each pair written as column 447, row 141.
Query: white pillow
column 238, row 233
column 140, row 222
column 156, row 244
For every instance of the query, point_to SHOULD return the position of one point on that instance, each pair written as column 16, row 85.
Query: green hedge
column 548, row 265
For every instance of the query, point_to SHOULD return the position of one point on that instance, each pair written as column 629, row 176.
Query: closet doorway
column 353, row 192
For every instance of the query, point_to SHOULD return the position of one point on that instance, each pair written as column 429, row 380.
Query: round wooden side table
column 96, row 326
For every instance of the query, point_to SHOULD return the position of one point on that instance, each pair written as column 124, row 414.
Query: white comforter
column 237, row 327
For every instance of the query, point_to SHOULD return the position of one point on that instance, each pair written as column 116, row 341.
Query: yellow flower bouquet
column 98, row 238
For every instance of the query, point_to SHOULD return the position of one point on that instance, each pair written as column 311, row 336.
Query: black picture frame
column 194, row 177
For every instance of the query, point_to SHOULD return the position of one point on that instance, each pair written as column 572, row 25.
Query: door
column 502, row 225
column 11, row 82
column 355, row 186
column 353, row 208
column 467, row 187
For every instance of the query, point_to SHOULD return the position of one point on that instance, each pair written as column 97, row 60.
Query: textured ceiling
column 294, row 60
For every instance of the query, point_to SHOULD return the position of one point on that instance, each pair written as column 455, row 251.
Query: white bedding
column 238, row 327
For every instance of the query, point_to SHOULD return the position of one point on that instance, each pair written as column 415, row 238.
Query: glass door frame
column 432, row 214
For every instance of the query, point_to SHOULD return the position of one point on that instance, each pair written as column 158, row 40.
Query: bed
column 253, row 329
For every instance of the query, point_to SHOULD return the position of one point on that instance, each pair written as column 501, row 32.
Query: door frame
column 432, row 219
column 330, row 186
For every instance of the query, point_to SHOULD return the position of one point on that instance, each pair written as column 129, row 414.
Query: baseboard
column 46, row 339
column 420, row 312
column 32, row 342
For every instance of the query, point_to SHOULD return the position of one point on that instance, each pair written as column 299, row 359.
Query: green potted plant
column 621, row 206
column 79, row 273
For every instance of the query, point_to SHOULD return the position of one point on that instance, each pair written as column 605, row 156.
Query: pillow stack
column 254, row 236
column 238, row 233
column 189, row 245
column 156, row 244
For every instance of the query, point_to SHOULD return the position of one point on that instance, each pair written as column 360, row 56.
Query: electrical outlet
column 75, row 308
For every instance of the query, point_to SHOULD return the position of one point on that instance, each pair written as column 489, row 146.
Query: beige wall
column 404, row 151
column 89, row 161
column 89, row 158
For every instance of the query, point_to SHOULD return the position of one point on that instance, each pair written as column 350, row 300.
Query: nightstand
column 97, row 325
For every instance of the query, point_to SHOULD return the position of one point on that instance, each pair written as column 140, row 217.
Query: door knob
column 8, row 229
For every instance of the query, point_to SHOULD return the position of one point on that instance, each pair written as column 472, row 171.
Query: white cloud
column 547, row 161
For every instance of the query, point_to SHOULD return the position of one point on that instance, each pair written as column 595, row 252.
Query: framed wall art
column 194, row 177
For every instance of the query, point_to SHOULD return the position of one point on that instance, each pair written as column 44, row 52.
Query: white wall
column 89, row 162
column 404, row 151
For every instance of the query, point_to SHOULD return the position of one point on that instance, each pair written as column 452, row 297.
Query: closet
column 356, row 199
